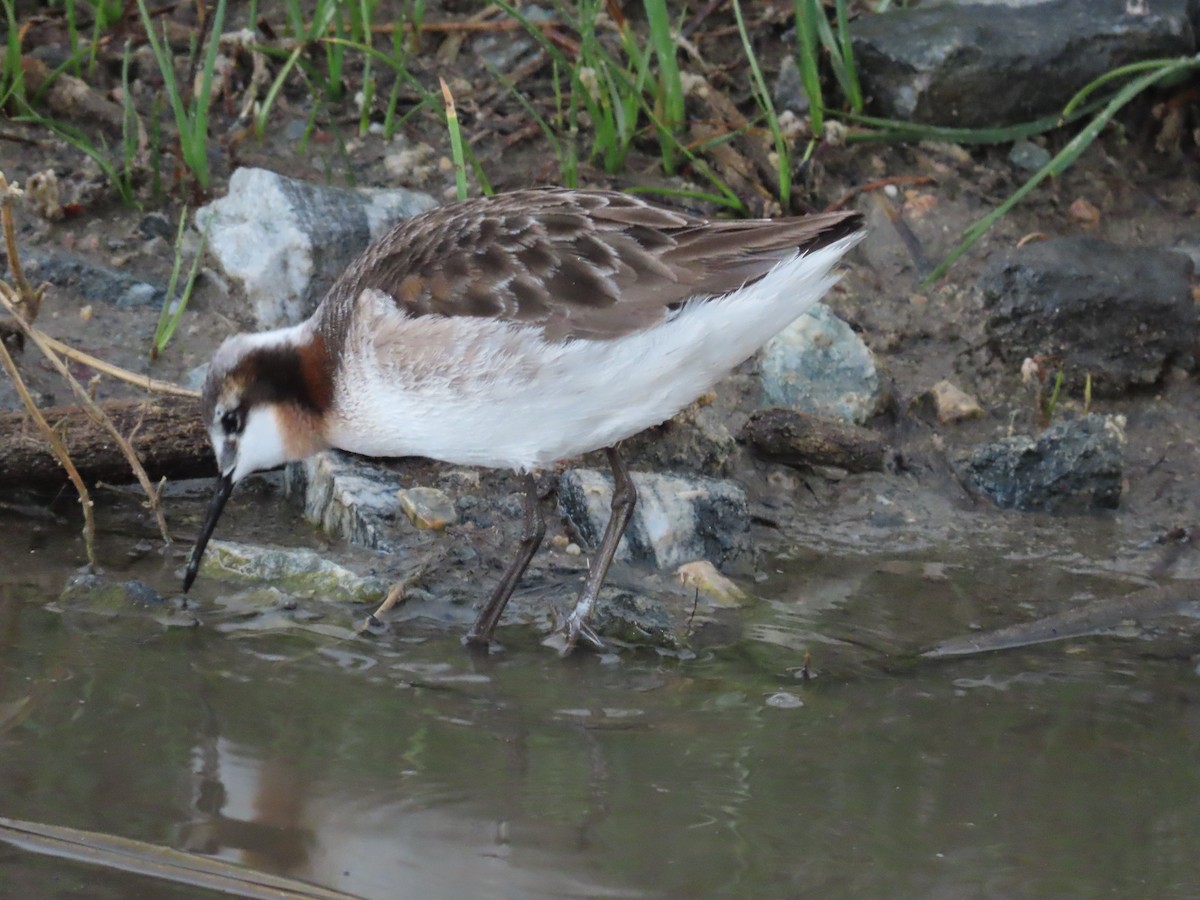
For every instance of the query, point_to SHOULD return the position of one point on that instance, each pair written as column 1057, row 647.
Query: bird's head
column 263, row 399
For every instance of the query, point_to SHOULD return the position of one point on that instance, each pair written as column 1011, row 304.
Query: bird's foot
column 480, row 642
column 373, row 624
column 565, row 637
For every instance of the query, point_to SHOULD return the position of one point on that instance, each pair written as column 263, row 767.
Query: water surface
column 405, row 766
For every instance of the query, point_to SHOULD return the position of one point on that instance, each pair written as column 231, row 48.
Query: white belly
column 475, row 391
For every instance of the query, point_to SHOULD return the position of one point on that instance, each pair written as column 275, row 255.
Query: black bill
column 224, row 488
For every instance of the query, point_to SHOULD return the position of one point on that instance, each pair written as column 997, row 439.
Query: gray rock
column 820, row 366
column 1070, row 464
column 348, row 497
column 1119, row 314
column 677, row 519
column 989, row 65
column 286, row 241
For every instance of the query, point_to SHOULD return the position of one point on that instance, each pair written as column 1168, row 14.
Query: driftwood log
column 794, row 438
column 166, row 434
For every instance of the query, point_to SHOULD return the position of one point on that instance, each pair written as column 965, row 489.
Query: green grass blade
column 172, row 310
column 456, row 141
column 846, row 53
column 1111, row 75
column 899, row 130
column 806, row 50
column 763, row 96
column 671, row 85
column 1063, row 158
column 12, row 79
column 264, row 111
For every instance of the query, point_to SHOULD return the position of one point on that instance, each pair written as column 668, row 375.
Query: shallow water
column 404, row 766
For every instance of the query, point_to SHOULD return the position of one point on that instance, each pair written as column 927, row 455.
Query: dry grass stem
column 29, row 300
column 153, row 385
column 22, row 304
column 94, row 412
column 57, row 446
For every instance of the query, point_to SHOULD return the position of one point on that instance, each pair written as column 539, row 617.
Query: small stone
column 953, row 404
column 634, row 619
column 789, row 93
column 1028, row 156
column 1085, row 213
column 43, row 194
column 784, row 700
column 573, row 549
column 702, row 576
column 427, row 507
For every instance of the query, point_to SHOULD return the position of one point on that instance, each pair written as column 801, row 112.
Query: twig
column 96, row 413
column 143, row 381
column 876, row 185
column 60, row 451
column 29, row 300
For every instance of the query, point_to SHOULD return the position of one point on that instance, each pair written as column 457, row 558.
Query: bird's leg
column 623, row 501
column 533, row 529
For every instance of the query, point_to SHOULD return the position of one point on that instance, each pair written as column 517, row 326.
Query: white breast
column 476, row 391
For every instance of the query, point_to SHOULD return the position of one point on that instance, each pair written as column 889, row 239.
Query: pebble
column 427, row 507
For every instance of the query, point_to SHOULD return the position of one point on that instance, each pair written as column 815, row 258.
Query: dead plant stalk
column 15, row 302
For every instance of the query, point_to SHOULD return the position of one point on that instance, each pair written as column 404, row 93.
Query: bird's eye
column 233, row 421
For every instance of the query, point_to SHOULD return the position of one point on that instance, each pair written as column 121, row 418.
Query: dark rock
column 1071, row 464
column 695, row 440
column 1119, row 314
column 983, row 66
column 286, row 241
column 95, row 282
column 677, row 519
column 98, row 595
column 798, row 439
column 157, row 225
column 789, row 93
column 634, row 619
column 505, row 51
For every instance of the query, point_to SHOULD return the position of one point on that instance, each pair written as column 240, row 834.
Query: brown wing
column 579, row 264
